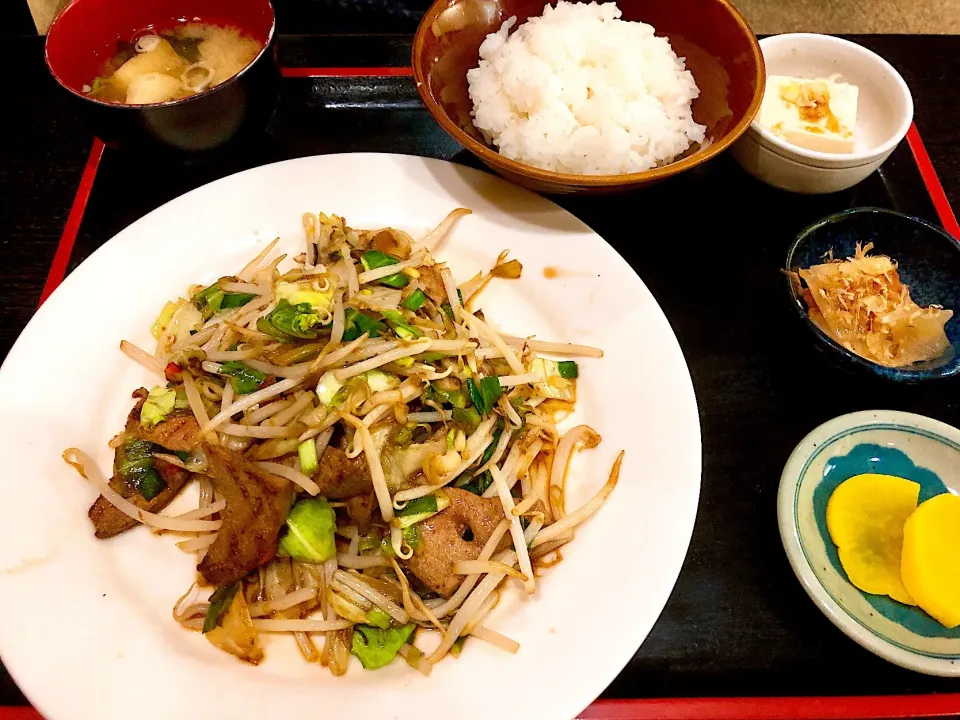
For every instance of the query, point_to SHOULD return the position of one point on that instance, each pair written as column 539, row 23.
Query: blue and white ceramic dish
column 886, row 442
column 928, row 260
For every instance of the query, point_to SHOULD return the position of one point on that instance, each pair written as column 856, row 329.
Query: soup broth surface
column 185, row 60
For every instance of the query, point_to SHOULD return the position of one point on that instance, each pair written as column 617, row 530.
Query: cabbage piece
column 401, row 464
column 311, row 524
column 376, row 647
column 327, row 387
column 185, row 320
column 346, row 609
column 159, row 403
column 233, row 630
column 330, row 391
column 379, row 381
column 559, row 379
column 303, row 293
column 163, row 319
column 378, row 618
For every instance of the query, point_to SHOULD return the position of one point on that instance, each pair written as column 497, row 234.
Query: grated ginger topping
column 861, row 303
column 812, row 100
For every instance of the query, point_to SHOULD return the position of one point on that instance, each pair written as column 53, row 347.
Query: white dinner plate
column 87, row 630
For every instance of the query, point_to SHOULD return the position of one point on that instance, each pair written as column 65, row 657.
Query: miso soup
column 162, row 66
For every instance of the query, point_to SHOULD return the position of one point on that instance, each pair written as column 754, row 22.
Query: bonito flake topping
column 861, row 303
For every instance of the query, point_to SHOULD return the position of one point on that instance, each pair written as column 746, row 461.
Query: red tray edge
column 772, row 708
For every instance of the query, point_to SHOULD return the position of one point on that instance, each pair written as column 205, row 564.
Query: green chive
column 475, row 397
column 479, row 484
column 485, row 395
column 456, row 398
column 150, row 484
column 373, row 259
column 397, row 280
column 307, row 452
column 415, row 300
column 264, row 326
column 419, row 506
column 411, row 536
column 235, row 300
column 371, row 541
column 568, row 369
column 497, row 432
column 287, row 320
column 219, row 604
column 401, row 327
column 135, row 466
column 201, row 298
column 491, row 391
column 357, row 323
column 212, row 300
column 378, row 618
column 467, row 416
column 244, row 378
column 136, row 456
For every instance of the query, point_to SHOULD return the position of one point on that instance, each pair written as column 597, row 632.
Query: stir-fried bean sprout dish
column 373, row 459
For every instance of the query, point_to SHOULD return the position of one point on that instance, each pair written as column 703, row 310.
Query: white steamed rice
column 578, row 90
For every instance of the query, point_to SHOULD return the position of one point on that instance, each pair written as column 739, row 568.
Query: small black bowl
column 84, row 36
column 928, row 261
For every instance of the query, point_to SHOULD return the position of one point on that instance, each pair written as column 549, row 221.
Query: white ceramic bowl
column 884, row 114
column 876, row 441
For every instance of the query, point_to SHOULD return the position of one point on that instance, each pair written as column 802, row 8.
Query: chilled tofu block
column 816, row 114
column 161, row 59
column 154, row 88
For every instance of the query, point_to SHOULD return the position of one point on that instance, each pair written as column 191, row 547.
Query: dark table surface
column 738, row 622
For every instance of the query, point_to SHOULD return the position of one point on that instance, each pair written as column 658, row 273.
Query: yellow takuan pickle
column 931, row 558
column 865, row 518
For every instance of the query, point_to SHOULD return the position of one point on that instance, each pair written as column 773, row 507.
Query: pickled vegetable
column 862, row 304
column 865, row 517
column 931, row 558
